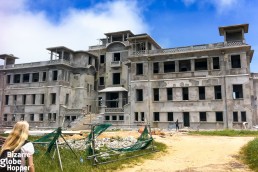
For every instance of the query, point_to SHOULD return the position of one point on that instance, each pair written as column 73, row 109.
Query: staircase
column 87, row 119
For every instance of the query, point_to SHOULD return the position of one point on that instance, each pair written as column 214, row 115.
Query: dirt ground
column 188, row 153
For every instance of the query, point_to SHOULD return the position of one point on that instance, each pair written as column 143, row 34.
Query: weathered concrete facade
column 130, row 79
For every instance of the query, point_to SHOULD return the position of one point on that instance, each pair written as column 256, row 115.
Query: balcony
column 115, row 64
column 114, row 110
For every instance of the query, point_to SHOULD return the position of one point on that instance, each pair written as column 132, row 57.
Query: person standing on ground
column 16, row 144
column 177, row 125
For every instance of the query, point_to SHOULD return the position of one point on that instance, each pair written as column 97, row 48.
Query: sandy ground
column 195, row 154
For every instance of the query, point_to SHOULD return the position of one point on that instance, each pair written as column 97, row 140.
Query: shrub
column 249, row 154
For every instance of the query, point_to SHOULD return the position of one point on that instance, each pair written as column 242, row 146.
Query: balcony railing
column 188, row 48
column 111, row 110
column 96, row 47
column 115, row 64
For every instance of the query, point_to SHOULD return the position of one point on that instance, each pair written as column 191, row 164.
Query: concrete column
column 111, row 38
column 62, row 56
column 51, row 56
column 123, row 39
column 176, row 66
column 192, row 65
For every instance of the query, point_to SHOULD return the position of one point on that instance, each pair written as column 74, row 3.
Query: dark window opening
column 23, row 99
column 53, row 98
column 54, row 117
column 41, row 117
column 26, row 77
column 215, row 61
column 33, row 98
column 201, row 93
column 6, row 99
column 219, row 116
column 217, row 92
column 139, row 95
column 235, row 61
column 200, row 64
column 156, row 94
column 90, row 60
column 142, row 116
column 13, row 118
column 73, row 118
column 169, row 67
column 170, row 116
column 100, row 101
column 184, row 65
column 139, row 69
column 102, row 58
column 114, row 118
column 101, row 81
column 35, row 77
column 116, row 56
column 44, row 76
column 243, row 116
column 66, row 99
column 156, row 116
column 17, row 78
column 135, row 116
column 185, row 93
column 203, row 116
column 54, row 75
column 31, row 117
column 107, row 118
column 14, row 99
column 49, row 116
column 22, row 117
column 235, row 117
column 169, row 93
column 237, row 92
column 8, row 79
column 156, row 67
column 116, row 78
column 234, row 36
column 5, row 117
column 42, row 99
column 89, row 108
column 121, row 117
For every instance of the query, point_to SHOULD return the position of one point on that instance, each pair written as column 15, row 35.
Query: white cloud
column 26, row 34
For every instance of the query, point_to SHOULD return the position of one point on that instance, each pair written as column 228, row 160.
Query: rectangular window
column 17, row 78
column 243, row 116
column 23, row 99
column 237, row 92
column 14, row 99
column 203, row 116
column 54, row 116
column 116, row 78
column 90, row 60
column 26, row 77
column 89, row 108
column 101, row 81
column 235, row 61
column 215, row 61
column 33, row 99
column 73, row 118
column 102, row 58
column 35, row 77
column 121, row 117
column 8, row 79
column 169, row 67
column 53, row 98
column 6, row 100
column 44, row 76
column 219, row 116
column 66, row 99
column 184, row 65
column 54, row 75
column 42, row 101
column 139, row 95
column 31, row 117
column 116, row 56
column 169, row 93
column 201, row 64
column 170, row 116
column 139, row 68
column 5, row 117
column 185, row 93
column 156, row 116
column 156, row 67
column 41, row 117
column 201, row 93
column 13, row 118
column 156, row 94
column 235, row 116
column 100, row 101
column 107, row 118
column 49, row 117
column 114, row 118
column 22, row 117
column 135, row 116
column 142, row 116
column 217, row 92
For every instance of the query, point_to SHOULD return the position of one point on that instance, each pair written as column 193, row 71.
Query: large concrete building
column 130, row 79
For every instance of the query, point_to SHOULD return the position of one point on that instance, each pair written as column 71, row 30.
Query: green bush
column 249, row 154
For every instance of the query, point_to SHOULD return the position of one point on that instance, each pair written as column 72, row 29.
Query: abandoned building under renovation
column 129, row 79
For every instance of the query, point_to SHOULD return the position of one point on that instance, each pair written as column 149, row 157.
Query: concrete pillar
column 51, row 55
column 62, row 56
column 111, row 38
column 123, row 39
column 177, row 66
column 192, row 65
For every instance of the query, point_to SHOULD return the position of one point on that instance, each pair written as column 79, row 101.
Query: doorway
column 186, row 119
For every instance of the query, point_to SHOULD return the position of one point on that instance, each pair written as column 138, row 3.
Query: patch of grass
column 232, row 133
column 71, row 163
column 249, row 154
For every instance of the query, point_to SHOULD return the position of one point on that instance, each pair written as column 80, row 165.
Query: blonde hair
column 17, row 137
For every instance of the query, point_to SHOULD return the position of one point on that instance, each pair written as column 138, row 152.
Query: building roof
column 112, row 89
column 59, row 48
column 144, row 36
column 223, row 28
column 10, row 56
column 118, row 33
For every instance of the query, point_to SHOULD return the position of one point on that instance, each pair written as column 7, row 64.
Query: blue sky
column 30, row 26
